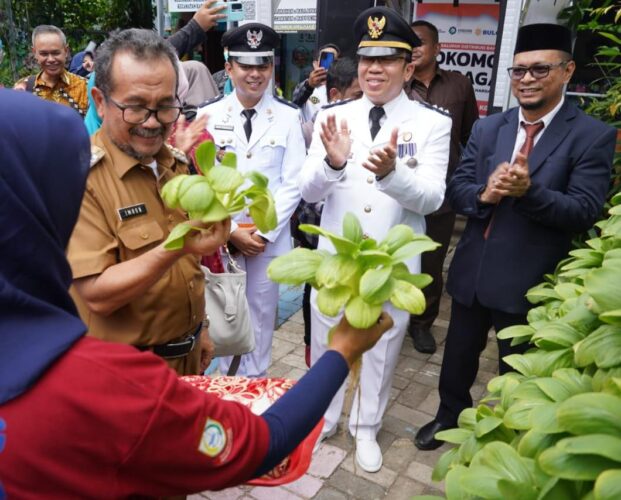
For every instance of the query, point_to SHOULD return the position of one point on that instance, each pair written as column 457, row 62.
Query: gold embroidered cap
column 382, row 31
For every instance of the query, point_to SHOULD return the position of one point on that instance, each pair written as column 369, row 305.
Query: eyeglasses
column 382, row 60
column 136, row 115
column 537, row 71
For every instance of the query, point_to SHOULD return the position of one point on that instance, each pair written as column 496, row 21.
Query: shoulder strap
column 30, row 83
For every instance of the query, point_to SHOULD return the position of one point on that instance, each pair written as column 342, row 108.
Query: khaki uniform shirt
column 71, row 90
column 105, row 235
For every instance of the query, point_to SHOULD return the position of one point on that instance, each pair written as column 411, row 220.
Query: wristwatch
column 332, row 166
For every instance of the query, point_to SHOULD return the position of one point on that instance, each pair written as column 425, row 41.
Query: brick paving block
column 399, row 382
column 385, row 477
column 406, row 366
column 415, row 394
column 430, row 490
column 326, row 460
column 272, row 493
column 489, row 365
column 429, row 375
column 404, row 489
column 298, row 317
column 436, row 357
column 398, row 427
column 296, row 361
column 355, row 486
column 293, row 328
column 296, row 373
column 328, row 493
column 420, row 472
column 279, row 370
column 228, row 494
column 478, row 390
column 281, row 347
column 394, row 394
column 430, row 404
column 414, row 417
column 307, row 486
column 431, row 457
column 401, row 452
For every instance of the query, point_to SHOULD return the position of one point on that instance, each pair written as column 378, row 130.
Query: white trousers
column 262, row 294
column 378, row 368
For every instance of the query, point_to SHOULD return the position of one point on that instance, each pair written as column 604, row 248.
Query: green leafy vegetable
column 219, row 193
column 362, row 275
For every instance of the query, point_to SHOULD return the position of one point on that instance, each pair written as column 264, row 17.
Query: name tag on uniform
column 133, row 211
column 229, row 128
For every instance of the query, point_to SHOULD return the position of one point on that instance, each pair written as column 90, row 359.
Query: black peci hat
column 252, row 44
column 543, row 36
column 383, row 32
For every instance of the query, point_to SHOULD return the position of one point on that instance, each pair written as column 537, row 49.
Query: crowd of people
column 96, row 311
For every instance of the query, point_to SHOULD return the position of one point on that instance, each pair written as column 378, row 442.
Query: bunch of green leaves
column 222, row 191
column 552, row 429
column 362, row 275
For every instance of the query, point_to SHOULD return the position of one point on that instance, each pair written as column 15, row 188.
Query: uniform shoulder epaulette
column 434, row 107
column 96, row 155
column 211, row 101
column 336, row 103
column 178, row 154
column 284, row 101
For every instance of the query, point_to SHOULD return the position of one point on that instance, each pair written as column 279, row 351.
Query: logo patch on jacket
column 213, row 440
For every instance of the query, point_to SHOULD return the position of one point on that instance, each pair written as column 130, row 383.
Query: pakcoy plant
column 362, row 275
column 552, row 429
column 222, row 191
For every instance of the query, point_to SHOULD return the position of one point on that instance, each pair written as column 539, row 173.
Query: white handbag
column 230, row 327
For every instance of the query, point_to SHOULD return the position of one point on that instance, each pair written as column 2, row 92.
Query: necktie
column 248, row 114
column 376, row 114
column 531, row 129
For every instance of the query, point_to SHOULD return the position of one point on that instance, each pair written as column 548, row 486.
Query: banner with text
column 293, row 16
column 468, row 39
column 249, row 6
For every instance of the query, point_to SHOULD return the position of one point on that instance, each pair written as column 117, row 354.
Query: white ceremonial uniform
column 276, row 149
column 415, row 188
column 315, row 102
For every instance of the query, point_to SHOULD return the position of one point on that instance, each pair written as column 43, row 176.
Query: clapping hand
column 336, row 141
column 382, row 160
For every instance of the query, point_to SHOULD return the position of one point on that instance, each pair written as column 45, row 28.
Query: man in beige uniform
column 128, row 288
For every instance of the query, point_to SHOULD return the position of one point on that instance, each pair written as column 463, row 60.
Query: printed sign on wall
column 468, row 38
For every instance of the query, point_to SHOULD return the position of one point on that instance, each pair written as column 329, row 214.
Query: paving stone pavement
column 414, row 400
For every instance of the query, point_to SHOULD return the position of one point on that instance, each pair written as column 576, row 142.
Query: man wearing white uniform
column 384, row 158
column 266, row 134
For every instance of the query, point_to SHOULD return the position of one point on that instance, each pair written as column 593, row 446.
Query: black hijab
column 44, row 161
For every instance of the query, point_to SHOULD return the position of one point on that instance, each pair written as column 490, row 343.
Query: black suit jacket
column 570, row 173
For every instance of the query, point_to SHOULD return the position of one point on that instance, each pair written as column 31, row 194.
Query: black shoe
column 425, row 439
column 423, row 340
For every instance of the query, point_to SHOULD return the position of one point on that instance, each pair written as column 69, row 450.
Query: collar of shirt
column 521, row 133
column 389, row 108
column 546, row 119
column 64, row 80
column 238, row 107
column 122, row 162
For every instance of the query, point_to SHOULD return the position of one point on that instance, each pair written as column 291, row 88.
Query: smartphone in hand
column 326, row 59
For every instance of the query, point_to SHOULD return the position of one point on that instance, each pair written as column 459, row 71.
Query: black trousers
column 439, row 229
column 466, row 338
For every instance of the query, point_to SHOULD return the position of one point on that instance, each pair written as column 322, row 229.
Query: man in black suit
column 529, row 180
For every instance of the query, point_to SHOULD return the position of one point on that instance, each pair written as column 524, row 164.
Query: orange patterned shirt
column 70, row 90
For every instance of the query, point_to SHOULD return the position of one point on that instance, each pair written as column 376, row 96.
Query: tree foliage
column 80, row 20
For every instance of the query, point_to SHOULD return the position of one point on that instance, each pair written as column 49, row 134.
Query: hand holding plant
column 218, row 194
